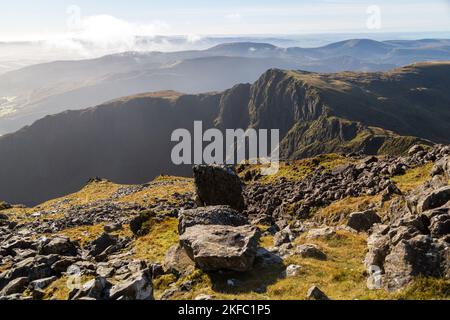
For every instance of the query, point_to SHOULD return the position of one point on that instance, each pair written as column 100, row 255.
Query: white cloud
column 234, row 16
column 103, row 34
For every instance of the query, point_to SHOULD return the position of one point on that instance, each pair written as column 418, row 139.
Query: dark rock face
column 363, row 221
column 314, row 293
column 216, row 247
column 218, row 185
column 218, row 215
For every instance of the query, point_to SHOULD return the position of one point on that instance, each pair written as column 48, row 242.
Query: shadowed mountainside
column 128, row 140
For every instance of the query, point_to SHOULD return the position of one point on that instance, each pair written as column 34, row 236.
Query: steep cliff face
column 128, row 140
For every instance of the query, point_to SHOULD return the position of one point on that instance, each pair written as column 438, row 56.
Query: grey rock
column 177, row 262
column 419, row 256
column 314, row 293
column 96, row 288
column 215, row 215
column 221, row 247
column 325, row 232
column 204, row 297
column 363, row 221
column 17, row 285
column 59, row 245
column 112, row 227
column 139, row 287
column 105, row 271
column 281, row 237
column 293, row 270
column 218, row 185
column 99, row 245
column 61, row 265
column 434, row 199
column 310, row 251
column 42, row 283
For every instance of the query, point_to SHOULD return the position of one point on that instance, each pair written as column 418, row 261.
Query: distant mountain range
column 33, row 92
column 128, row 140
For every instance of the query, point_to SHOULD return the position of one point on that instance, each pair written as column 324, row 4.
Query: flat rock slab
column 215, row 247
column 216, row 215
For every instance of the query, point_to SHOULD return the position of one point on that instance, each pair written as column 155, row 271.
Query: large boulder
column 217, row 247
column 419, row 256
column 363, row 221
column 138, row 287
column 434, row 199
column 218, row 185
column 216, row 215
column 59, row 245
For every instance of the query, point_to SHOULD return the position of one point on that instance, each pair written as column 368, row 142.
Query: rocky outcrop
column 218, row 185
column 416, row 240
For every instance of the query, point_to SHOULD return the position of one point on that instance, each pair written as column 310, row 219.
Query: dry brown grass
column 156, row 243
column 338, row 211
column 413, row 178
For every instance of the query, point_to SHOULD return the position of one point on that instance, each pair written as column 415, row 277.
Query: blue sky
column 22, row 19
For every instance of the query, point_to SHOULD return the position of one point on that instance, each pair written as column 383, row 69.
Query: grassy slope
column 341, row 276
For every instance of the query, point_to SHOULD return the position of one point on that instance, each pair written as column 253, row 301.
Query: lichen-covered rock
column 419, row 256
column 177, row 262
column 215, row 215
column 95, row 289
column 216, row 247
column 218, row 185
column 434, row 200
column 138, row 287
column 293, row 270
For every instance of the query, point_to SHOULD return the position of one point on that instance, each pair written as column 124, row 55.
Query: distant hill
column 128, row 140
column 50, row 88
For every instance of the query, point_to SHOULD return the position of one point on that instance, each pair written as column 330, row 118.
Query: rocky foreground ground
column 330, row 227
